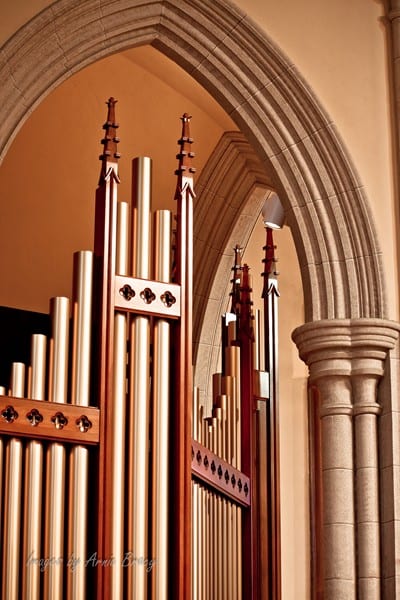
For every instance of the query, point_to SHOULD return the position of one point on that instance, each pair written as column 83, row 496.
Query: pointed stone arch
column 233, row 177
column 221, row 47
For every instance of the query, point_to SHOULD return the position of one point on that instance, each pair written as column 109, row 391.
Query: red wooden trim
column 181, row 409
column 105, row 241
column 270, row 295
column 105, row 251
column 20, row 410
column 166, row 302
column 250, row 551
column 220, row 475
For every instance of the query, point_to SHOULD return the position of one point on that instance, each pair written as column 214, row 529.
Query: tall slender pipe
column 55, row 481
column 119, row 412
column 160, row 416
column 79, row 455
column 33, row 480
column 140, row 390
column 12, row 499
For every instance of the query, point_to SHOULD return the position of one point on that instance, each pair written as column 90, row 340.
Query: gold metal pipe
column 79, row 455
column 234, row 400
column 200, row 424
column 229, row 388
column 210, row 520
column 141, row 202
column 214, row 515
column 139, row 397
column 194, row 553
column 222, row 405
column 207, row 556
column 33, row 480
column 196, row 411
column 217, row 413
column 233, row 362
column 118, row 412
column 160, row 415
column 202, row 529
column 81, row 321
column 12, row 498
column 238, row 463
column 56, row 457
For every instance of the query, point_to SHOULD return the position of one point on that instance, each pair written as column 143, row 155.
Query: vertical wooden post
column 105, row 255
column 180, row 581
column 250, row 551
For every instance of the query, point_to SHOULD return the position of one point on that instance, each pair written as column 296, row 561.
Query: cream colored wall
column 339, row 48
column 49, row 176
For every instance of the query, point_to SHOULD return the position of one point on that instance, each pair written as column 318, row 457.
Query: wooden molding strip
column 39, row 419
column 220, row 475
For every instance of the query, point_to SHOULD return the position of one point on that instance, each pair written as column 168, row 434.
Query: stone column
column 346, row 360
column 365, row 411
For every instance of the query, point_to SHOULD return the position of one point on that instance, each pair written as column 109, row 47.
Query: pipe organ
column 112, row 485
column 235, row 488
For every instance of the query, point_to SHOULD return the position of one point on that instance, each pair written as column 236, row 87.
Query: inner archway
column 264, row 95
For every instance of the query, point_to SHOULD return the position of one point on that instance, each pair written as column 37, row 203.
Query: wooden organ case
column 112, row 485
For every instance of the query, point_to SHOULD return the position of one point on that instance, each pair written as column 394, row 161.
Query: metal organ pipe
column 139, row 397
column 160, row 416
column 12, row 498
column 33, row 479
column 56, row 455
column 134, row 378
column 80, row 395
column 119, row 409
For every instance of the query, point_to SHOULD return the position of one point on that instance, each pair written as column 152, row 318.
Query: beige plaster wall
column 49, row 175
column 340, row 49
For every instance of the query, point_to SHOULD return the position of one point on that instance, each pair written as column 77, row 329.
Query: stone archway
column 346, row 339
column 263, row 93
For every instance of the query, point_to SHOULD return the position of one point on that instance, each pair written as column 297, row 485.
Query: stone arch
column 234, row 175
column 261, row 90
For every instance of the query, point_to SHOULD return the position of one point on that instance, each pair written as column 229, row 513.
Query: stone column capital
column 345, row 347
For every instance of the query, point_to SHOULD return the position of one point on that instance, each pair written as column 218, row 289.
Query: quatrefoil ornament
column 83, row 424
column 168, row 299
column 127, row 292
column 9, row 414
column 147, row 295
column 59, row 420
column 34, row 417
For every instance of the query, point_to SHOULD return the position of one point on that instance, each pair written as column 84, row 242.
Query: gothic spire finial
column 185, row 169
column 246, row 312
column 236, row 279
column 269, row 262
column 110, row 155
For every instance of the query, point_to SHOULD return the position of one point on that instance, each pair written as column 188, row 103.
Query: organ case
column 113, row 486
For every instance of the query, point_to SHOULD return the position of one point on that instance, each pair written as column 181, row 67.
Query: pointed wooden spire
column 246, row 303
column 110, row 155
column 269, row 262
column 237, row 267
column 185, row 169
